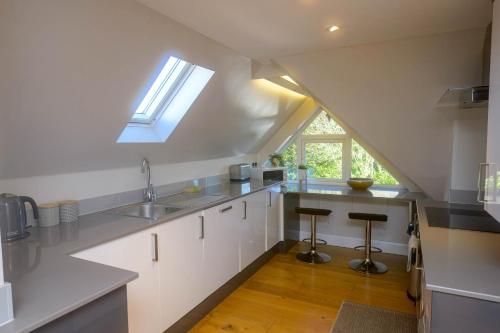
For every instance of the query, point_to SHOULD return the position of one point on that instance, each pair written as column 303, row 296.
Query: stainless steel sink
column 190, row 200
column 146, row 210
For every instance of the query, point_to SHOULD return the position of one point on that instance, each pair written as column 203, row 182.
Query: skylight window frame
column 149, row 117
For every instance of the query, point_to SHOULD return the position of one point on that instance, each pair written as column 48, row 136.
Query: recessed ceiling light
column 333, row 28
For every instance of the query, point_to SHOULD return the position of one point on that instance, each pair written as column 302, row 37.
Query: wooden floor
column 286, row 295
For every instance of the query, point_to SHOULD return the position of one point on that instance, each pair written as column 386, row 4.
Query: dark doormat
column 360, row 318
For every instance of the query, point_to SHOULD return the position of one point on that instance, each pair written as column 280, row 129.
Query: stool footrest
column 374, row 249
column 318, row 241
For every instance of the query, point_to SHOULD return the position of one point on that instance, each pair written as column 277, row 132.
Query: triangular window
column 167, row 100
column 331, row 155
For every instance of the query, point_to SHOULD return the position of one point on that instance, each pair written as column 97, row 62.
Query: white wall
column 387, row 93
column 469, row 148
column 71, row 72
column 84, row 185
column 338, row 229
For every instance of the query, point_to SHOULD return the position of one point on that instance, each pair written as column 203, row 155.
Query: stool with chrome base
column 367, row 265
column 313, row 256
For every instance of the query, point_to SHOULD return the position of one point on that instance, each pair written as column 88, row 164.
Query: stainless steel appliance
column 475, row 97
column 239, row 172
column 13, row 219
column 275, row 174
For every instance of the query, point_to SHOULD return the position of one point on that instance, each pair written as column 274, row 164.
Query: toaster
column 239, row 172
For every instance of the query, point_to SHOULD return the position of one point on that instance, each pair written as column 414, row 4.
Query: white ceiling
column 264, row 29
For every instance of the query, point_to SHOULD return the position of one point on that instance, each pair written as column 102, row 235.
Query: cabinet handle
column 154, row 247
column 223, row 210
column 269, row 203
column 202, row 227
column 244, row 210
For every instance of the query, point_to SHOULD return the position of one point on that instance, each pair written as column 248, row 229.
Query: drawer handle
column 244, row 210
column 154, row 247
column 223, row 210
column 202, row 227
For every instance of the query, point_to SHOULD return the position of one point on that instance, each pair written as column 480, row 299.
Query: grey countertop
column 48, row 283
column 460, row 262
column 373, row 192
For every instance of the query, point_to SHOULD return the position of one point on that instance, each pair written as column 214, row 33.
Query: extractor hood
column 472, row 97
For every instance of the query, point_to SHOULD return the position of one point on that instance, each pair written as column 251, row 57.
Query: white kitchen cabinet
column 180, row 260
column 272, row 218
column 492, row 169
column 221, row 244
column 253, row 228
column 134, row 253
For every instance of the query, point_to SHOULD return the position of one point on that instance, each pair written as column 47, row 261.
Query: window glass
column 321, row 146
column 323, row 124
column 167, row 100
column 324, row 159
column 364, row 165
column 290, row 160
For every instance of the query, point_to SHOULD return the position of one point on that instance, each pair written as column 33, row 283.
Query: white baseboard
column 387, row 247
column 6, row 309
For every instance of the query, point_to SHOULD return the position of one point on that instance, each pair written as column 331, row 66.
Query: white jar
column 48, row 214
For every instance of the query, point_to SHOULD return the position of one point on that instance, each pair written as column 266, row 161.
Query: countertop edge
column 83, row 302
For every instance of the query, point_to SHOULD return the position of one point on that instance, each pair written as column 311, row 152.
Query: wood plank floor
column 286, row 295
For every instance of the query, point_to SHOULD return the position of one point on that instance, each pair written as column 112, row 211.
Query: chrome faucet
column 149, row 192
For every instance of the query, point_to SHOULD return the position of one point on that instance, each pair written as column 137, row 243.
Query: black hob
column 458, row 216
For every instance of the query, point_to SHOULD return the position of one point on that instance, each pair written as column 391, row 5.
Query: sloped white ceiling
column 266, row 29
column 71, row 71
column 387, row 93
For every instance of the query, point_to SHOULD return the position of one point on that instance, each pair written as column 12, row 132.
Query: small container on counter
column 68, row 211
column 48, row 214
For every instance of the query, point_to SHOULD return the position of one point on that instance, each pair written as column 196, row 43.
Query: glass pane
column 364, row 165
column 323, row 124
column 324, row 159
column 290, row 159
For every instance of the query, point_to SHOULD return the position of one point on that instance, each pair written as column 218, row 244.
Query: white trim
column 6, row 307
column 350, row 242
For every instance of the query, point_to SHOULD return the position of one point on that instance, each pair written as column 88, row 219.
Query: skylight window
column 166, row 102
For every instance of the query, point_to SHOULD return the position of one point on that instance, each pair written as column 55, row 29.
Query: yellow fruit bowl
column 360, row 184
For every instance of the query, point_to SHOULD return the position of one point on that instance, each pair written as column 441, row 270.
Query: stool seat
column 312, row 211
column 313, row 256
column 368, row 217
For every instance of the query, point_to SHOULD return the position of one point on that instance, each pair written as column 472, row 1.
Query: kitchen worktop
column 373, row 192
column 460, row 262
column 48, row 283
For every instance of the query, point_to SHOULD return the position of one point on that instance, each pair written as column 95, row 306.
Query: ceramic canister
column 68, row 211
column 48, row 214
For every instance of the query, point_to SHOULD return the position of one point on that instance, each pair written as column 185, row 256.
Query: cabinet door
column 180, row 258
column 221, row 244
column 134, row 253
column 493, row 146
column 272, row 219
column 253, row 228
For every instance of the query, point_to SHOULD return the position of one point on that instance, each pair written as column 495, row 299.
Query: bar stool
column 313, row 256
column 367, row 265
